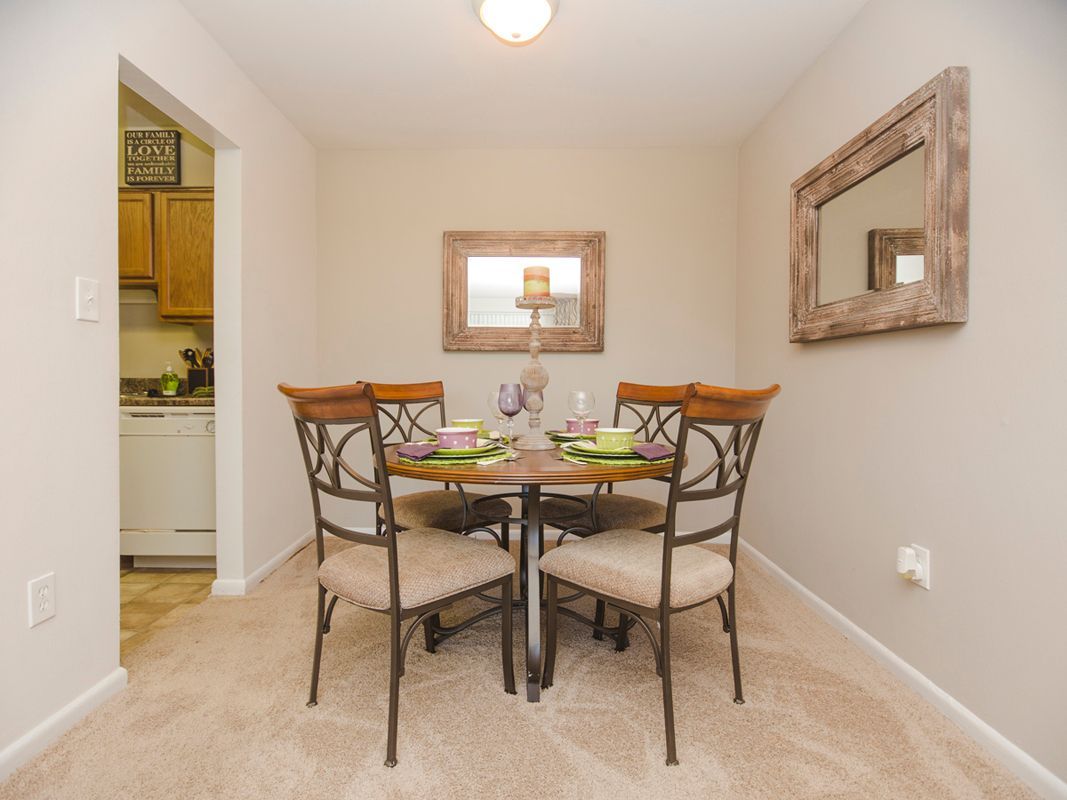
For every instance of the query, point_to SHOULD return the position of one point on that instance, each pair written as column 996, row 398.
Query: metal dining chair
column 413, row 575
column 407, row 412
column 648, row 576
column 652, row 411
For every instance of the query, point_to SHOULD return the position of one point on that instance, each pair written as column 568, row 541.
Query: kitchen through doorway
column 166, row 225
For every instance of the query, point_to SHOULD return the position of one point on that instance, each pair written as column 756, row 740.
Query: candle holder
column 534, row 376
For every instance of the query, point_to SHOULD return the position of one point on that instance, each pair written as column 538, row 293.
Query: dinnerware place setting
column 467, row 442
column 460, row 444
column 615, row 447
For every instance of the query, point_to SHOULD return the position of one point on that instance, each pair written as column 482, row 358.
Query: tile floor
column 153, row 599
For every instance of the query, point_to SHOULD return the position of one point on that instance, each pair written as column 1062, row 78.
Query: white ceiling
column 606, row 73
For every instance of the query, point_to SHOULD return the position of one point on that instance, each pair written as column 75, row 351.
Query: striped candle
column 535, row 282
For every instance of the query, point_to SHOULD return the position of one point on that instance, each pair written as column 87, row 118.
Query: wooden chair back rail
column 718, row 404
column 406, row 392
column 327, row 404
column 324, row 524
column 642, row 393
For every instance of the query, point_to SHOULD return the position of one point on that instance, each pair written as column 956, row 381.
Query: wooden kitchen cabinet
column 184, row 245
column 166, row 242
column 136, row 259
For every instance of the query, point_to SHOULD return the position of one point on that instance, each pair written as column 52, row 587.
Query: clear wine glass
column 493, row 401
column 509, row 401
column 581, row 404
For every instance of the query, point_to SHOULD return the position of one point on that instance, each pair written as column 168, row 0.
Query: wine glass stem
column 511, row 429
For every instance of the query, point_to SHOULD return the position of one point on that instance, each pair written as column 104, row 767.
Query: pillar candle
column 535, row 282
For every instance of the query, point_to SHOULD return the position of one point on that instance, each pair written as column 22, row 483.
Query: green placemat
column 453, row 461
column 613, row 461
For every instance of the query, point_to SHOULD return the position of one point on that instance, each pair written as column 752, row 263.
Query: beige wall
column 197, row 156
column 146, row 343
column 950, row 437
column 670, row 222
column 60, row 62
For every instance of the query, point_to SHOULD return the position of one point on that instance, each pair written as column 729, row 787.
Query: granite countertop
column 178, row 400
column 134, row 392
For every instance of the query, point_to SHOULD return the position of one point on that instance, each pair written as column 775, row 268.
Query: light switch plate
column 42, row 598
column 87, row 299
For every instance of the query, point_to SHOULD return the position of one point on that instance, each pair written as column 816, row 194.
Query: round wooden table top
column 542, row 467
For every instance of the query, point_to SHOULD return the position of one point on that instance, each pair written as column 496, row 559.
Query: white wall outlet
column 87, row 299
column 913, row 564
column 42, row 598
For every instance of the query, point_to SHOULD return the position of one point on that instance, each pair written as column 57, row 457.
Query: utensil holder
column 201, row 377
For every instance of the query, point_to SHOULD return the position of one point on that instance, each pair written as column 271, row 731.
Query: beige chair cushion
column 627, row 564
column 442, row 509
column 612, row 511
column 433, row 565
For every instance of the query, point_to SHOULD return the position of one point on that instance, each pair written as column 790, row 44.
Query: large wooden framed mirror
column 483, row 274
column 878, row 238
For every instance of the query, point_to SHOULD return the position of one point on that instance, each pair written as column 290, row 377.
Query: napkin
column 650, row 451
column 416, row 451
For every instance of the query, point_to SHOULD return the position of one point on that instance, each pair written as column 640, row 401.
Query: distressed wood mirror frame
column 588, row 336
column 935, row 116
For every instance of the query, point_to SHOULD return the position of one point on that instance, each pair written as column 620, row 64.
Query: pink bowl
column 457, row 438
column 589, row 426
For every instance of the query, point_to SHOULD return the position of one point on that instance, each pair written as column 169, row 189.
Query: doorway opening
column 178, row 258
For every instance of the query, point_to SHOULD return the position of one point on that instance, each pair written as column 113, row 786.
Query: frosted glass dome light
column 516, row 22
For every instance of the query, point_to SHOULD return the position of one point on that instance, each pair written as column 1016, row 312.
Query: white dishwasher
column 167, row 485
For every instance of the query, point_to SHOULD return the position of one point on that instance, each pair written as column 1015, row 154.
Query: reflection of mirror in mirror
column 909, row 269
column 493, row 283
column 871, row 235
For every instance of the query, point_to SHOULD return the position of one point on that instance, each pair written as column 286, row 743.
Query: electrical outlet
column 922, row 558
column 42, row 598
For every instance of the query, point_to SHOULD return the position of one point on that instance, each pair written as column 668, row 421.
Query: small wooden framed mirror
column 483, row 274
column 878, row 238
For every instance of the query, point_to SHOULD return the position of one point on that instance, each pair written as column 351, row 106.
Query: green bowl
column 614, row 438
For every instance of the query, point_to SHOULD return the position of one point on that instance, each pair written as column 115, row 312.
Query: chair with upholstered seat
column 652, row 411
column 650, row 576
column 409, row 575
column 407, row 411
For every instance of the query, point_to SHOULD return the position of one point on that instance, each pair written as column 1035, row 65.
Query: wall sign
column 153, row 157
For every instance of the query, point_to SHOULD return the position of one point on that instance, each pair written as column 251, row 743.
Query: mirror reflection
column 871, row 236
column 493, row 283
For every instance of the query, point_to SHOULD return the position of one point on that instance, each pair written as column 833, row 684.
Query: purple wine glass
column 510, row 402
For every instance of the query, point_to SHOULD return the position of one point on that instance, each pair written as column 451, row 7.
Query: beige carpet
column 215, row 709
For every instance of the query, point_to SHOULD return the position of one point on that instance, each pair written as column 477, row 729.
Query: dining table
column 531, row 470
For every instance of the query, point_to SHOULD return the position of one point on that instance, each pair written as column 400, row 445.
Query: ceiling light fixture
column 516, row 22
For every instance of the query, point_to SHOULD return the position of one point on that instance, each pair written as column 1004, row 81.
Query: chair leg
column 735, row 658
column 550, row 633
column 622, row 638
column 394, row 688
column 313, row 698
column 668, row 697
column 506, row 643
column 725, row 616
column 598, row 618
column 523, row 588
column 329, row 614
column 428, row 634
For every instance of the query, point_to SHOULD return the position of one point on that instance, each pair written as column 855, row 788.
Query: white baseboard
column 233, row 587
column 40, row 736
column 1036, row 776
